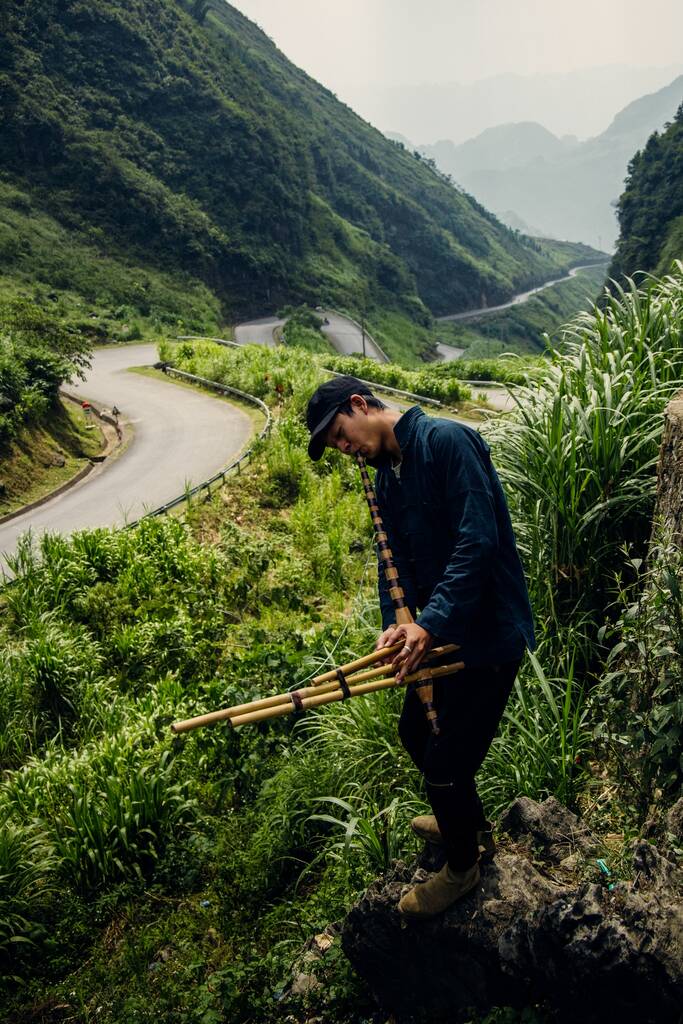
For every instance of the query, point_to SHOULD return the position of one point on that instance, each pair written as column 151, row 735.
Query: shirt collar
column 404, row 428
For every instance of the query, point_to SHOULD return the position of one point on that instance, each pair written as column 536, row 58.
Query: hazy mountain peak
column 647, row 109
column 565, row 188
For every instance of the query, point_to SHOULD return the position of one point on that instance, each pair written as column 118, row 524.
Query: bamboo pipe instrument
column 423, row 676
column 289, row 700
column 398, row 598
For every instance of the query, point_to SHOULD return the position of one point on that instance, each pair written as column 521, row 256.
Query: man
column 449, row 529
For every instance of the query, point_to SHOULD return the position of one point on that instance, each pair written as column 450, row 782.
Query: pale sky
column 392, row 42
column 372, row 52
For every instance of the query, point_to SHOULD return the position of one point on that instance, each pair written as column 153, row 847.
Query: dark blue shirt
column 449, row 529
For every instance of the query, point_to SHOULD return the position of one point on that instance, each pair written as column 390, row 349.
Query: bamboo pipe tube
column 401, row 609
column 319, row 699
column 359, row 663
column 285, row 699
column 369, row 659
column 398, row 598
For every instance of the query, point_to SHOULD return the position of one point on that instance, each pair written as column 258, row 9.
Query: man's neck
column 391, row 445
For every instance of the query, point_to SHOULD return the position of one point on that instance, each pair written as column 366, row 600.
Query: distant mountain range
column 577, row 103
column 550, row 186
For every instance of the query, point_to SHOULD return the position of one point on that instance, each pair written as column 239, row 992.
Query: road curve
column 517, row 300
column 181, row 436
column 347, row 337
column 343, row 334
column 258, row 332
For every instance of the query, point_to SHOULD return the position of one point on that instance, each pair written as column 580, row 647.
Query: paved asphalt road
column 258, row 332
column 180, row 436
column 517, row 300
column 344, row 335
column 347, row 338
column 448, row 353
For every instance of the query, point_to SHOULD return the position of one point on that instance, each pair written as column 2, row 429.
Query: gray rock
column 550, row 827
column 674, row 824
column 522, row 937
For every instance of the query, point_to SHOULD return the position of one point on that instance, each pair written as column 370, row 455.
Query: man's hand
column 417, row 641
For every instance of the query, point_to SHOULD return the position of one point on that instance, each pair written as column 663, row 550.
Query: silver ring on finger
column 407, row 647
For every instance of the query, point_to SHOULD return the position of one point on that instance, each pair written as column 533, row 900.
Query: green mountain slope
column 181, row 141
column 651, row 207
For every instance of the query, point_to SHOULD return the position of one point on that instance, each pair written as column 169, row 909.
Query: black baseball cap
column 324, row 406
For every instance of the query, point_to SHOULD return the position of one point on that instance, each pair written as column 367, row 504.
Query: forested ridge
column 651, row 205
column 178, row 138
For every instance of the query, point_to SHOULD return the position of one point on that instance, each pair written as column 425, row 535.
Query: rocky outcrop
column 669, row 511
column 533, row 931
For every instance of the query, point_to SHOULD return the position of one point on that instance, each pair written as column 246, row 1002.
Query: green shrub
column 422, row 382
column 640, row 698
column 106, row 810
column 37, row 354
column 27, row 879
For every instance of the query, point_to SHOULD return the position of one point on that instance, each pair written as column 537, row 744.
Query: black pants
column 469, row 705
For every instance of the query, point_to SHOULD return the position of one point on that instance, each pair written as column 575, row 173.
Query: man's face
column 358, row 432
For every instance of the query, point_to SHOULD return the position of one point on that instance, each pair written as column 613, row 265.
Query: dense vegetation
column 148, row 879
column 37, row 354
column 163, row 159
column 651, row 206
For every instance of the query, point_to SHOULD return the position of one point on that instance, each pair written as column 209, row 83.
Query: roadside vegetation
column 45, row 454
column 156, row 879
column 303, row 330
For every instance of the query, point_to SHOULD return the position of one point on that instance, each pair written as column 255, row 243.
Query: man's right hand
column 386, row 638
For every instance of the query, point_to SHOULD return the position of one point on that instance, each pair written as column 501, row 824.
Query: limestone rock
column 669, row 508
column 674, row 824
column 524, row 937
column 552, row 828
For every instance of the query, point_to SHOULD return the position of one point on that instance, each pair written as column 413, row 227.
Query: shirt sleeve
column 462, row 465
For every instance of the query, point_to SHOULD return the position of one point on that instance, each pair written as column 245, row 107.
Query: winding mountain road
column 347, row 337
column 343, row 334
column 181, row 436
column 258, row 332
column 517, row 300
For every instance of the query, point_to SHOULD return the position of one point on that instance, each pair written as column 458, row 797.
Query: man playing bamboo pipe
column 449, row 529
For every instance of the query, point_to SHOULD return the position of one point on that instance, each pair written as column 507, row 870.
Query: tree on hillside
column 651, row 207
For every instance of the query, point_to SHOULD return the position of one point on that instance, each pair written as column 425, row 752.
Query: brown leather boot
column 439, row 892
column 426, row 828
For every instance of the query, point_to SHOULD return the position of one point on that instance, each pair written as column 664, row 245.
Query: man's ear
column 359, row 404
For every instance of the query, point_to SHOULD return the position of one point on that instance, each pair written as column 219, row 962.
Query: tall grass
column 640, row 693
column 579, row 453
column 27, row 880
column 542, row 743
column 105, row 809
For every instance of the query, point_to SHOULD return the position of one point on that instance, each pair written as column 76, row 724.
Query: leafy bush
column 37, row 354
column 510, row 369
column 106, row 810
column 48, row 681
column 422, row 382
column 272, row 374
column 640, row 697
